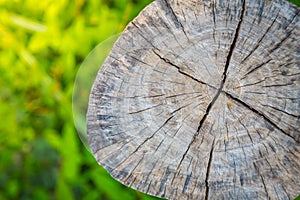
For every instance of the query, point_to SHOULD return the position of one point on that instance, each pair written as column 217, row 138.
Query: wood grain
column 200, row 99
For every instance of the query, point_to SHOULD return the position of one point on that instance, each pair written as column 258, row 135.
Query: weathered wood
column 200, row 99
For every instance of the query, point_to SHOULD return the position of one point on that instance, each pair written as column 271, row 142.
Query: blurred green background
column 42, row 45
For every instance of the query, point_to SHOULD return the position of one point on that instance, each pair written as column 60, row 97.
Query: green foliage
column 296, row 2
column 42, row 45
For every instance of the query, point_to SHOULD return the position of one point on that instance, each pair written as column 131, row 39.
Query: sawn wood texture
column 200, row 99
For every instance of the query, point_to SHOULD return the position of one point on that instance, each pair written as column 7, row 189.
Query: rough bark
column 200, row 99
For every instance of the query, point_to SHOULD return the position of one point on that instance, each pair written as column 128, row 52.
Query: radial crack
column 151, row 136
column 283, row 111
column 262, row 115
column 259, row 41
column 145, row 109
column 232, row 47
column 208, row 170
column 175, row 18
column 262, row 180
column 181, row 72
column 256, row 68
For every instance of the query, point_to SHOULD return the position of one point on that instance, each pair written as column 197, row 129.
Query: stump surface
column 200, row 99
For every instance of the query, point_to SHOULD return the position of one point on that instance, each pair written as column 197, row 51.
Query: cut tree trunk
column 200, row 99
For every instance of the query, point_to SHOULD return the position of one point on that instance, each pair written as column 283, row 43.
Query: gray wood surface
column 200, row 99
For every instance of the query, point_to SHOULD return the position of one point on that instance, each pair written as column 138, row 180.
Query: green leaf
column 28, row 24
column 63, row 190
column 70, row 153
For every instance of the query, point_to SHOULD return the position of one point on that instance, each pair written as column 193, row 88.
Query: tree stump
column 200, row 99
